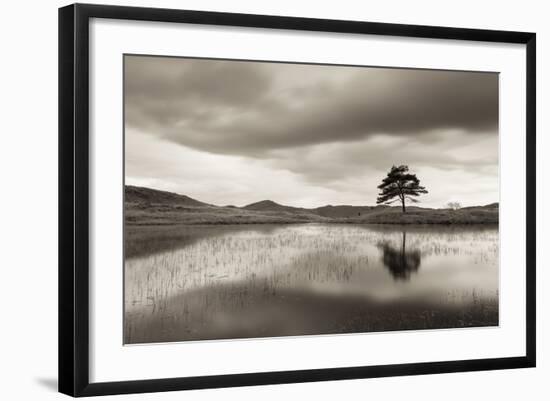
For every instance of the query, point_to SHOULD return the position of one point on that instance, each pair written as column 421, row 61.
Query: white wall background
column 28, row 200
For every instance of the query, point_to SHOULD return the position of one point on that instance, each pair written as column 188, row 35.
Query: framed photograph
column 251, row 199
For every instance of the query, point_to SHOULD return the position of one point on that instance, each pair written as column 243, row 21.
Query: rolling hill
column 134, row 194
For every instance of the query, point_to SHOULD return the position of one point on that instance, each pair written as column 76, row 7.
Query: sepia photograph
column 269, row 199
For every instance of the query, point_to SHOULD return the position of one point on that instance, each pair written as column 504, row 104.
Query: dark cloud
column 164, row 94
column 250, row 108
column 326, row 163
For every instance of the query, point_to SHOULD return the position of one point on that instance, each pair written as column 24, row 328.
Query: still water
column 220, row 282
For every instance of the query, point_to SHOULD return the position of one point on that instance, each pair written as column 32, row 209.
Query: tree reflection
column 399, row 261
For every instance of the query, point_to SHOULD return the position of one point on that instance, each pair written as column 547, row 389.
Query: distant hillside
column 153, row 196
column 266, row 205
column 270, row 206
column 274, row 209
column 145, row 206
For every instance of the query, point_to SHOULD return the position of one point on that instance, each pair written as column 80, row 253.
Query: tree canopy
column 454, row 205
column 400, row 185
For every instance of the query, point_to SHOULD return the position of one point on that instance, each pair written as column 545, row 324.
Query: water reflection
column 219, row 282
column 400, row 261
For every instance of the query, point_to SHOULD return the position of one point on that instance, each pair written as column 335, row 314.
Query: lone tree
column 454, row 205
column 399, row 185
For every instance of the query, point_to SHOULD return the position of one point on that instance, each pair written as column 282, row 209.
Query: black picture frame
column 74, row 200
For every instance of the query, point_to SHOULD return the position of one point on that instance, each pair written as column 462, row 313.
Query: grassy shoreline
column 167, row 215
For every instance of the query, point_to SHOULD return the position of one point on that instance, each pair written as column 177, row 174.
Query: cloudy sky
column 235, row 132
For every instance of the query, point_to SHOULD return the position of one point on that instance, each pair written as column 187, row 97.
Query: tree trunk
column 403, row 204
column 403, row 253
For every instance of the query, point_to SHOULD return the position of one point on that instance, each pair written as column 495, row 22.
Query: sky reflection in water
column 211, row 282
